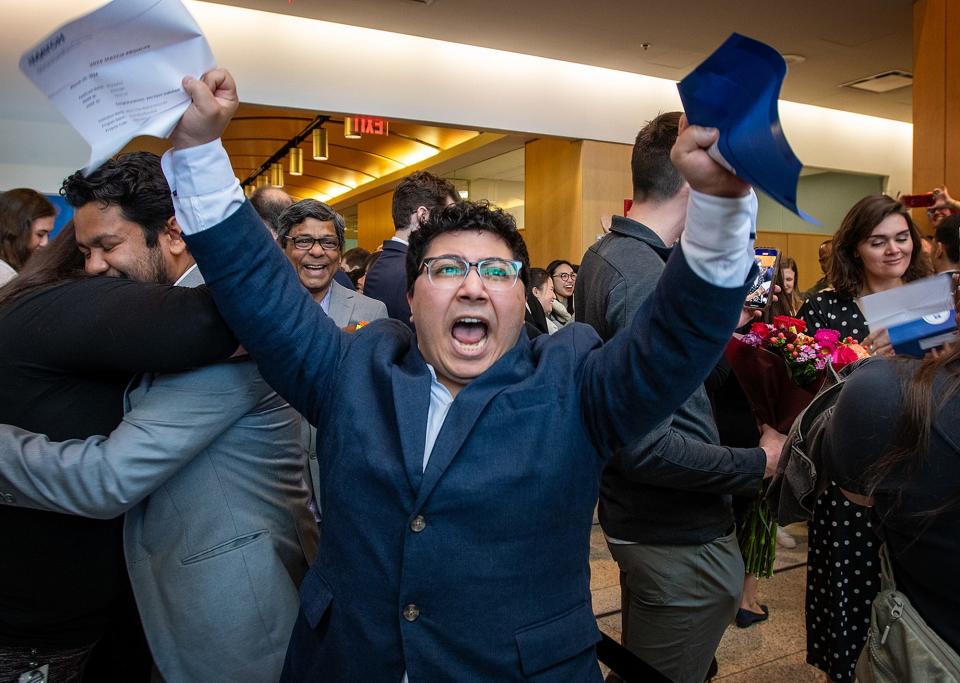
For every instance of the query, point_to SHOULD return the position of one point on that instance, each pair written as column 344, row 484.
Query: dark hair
column 537, row 278
column 356, row 258
column 655, row 178
column 552, row 269
column 135, row 183
column 295, row 214
column 466, row 216
column 419, row 189
column 918, row 413
column 269, row 203
column 19, row 208
column 948, row 234
column 59, row 261
column 845, row 272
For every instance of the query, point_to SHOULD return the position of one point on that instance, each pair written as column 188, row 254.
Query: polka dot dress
column 825, row 310
column 843, row 566
column 843, row 577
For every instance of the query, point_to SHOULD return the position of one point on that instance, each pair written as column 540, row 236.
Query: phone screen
column 759, row 295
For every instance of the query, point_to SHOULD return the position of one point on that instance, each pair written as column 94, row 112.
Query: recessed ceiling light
column 791, row 58
column 883, row 82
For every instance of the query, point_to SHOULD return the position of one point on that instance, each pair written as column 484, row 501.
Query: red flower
column 843, row 355
column 785, row 322
column 762, row 330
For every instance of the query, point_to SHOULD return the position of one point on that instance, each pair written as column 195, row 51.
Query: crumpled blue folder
column 735, row 90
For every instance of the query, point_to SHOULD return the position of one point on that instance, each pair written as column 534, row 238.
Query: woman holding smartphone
column 876, row 248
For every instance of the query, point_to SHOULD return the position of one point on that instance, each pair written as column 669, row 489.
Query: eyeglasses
column 566, row 277
column 449, row 272
column 306, row 242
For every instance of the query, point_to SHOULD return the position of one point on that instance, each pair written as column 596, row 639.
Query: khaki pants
column 677, row 601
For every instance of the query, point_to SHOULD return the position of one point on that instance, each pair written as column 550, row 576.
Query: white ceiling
column 842, row 40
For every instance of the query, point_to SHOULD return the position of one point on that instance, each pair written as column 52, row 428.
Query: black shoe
column 746, row 618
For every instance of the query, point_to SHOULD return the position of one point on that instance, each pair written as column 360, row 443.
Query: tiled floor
column 768, row 652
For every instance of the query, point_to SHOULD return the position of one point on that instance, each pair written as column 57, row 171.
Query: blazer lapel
column 466, row 410
column 411, row 400
column 341, row 304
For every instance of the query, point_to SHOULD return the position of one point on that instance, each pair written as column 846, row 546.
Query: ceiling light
column 321, row 146
column 276, row 174
column 349, row 131
column 262, row 180
column 296, row 161
column 464, row 194
column 793, row 58
column 248, row 190
column 883, row 82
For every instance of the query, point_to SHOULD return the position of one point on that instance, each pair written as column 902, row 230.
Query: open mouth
column 469, row 334
column 314, row 267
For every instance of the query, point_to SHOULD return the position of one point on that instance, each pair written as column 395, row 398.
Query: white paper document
column 928, row 296
column 116, row 72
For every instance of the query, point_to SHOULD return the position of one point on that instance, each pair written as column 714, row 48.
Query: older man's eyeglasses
column 449, row 272
column 306, row 242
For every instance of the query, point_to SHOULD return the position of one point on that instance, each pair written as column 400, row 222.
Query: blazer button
column 411, row 612
column 418, row 524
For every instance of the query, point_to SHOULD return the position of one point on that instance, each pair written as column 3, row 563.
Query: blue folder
column 736, row 90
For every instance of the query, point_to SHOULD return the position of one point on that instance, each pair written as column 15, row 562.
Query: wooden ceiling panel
column 258, row 132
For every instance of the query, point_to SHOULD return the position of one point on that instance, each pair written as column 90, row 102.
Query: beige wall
column 936, row 98
column 552, row 200
column 568, row 186
column 374, row 221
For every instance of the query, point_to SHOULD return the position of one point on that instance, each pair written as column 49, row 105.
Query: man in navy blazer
column 460, row 463
column 415, row 197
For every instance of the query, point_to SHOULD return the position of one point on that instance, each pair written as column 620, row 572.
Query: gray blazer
column 208, row 466
column 348, row 307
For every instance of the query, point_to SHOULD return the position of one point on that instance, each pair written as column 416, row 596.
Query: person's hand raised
column 214, row 103
column 689, row 155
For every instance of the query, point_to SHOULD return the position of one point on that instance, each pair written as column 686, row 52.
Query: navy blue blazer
column 387, row 281
column 478, row 567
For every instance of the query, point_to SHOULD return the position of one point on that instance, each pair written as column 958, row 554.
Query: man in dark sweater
column 415, row 197
column 667, row 518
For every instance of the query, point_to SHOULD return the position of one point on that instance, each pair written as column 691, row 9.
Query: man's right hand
column 689, row 155
column 215, row 100
column 772, row 442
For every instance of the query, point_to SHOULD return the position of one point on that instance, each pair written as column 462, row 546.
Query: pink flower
column 828, row 339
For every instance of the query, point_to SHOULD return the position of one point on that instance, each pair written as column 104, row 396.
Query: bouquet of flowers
column 781, row 369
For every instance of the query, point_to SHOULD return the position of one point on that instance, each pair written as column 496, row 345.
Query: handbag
column 900, row 647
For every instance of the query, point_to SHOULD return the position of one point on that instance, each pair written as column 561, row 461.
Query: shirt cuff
column 718, row 237
column 205, row 190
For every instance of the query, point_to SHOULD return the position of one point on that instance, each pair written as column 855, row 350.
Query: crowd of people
column 271, row 458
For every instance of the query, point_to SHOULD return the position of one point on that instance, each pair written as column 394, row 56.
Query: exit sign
column 370, row 125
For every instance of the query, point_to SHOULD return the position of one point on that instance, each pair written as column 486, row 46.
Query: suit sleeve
column 295, row 344
column 670, row 458
column 103, row 477
column 114, row 325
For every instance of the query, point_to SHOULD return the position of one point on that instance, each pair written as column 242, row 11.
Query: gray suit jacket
column 209, row 467
column 348, row 307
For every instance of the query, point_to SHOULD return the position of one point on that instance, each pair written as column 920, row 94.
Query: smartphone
column 916, row 201
column 767, row 262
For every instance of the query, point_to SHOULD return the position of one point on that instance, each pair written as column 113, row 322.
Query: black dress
column 843, row 567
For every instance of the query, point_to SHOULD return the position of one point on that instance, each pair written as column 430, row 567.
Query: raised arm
column 646, row 371
column 294, row 343
column 103, row 477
